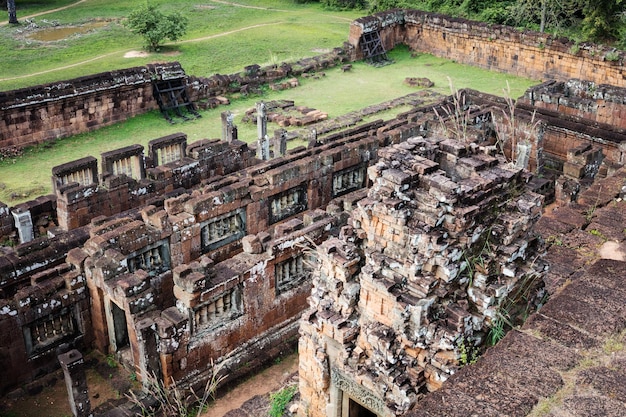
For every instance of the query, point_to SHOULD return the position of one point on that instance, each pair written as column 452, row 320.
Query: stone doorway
column 354, row 409
column 120, row 328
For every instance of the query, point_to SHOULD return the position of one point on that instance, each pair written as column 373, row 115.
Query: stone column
column 263, row 148
column 229, row 130
column 280, row 142
column 23, row 224
column 312, row 138
column 261, row 121
column 73, row 367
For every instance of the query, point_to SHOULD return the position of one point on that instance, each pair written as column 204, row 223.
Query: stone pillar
column 24, row 225
column 261, row 121
column 312, row 139
column 263, row 148
column 280, row 142
column 522, row 154
column 73, row 364
column 229, row 130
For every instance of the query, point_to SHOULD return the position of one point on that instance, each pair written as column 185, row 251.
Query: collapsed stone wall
column 494, row 47
column 211, row 91
column 434, row 256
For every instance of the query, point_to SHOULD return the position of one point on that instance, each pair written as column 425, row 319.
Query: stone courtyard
column 393, row 253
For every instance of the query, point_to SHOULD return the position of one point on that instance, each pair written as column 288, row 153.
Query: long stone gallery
column 391, row 253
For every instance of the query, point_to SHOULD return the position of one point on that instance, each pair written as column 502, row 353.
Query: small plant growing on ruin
column 111, row 361
column 611, row 56
column 497, row 330
column 512, row 130
column 280, row 399
column 155, row 27
column 176, row 401
column 454, row 119
column 468, row 352
column 574, row 49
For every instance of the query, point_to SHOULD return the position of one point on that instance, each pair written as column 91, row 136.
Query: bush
column 344, row 4
column 155, row 26
column 497, row 14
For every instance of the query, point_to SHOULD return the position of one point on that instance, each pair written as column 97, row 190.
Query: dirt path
column 267, row 381
column 230, row 32
column 58, row 9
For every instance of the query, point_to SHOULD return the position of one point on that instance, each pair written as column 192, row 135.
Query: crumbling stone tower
column 436, row 256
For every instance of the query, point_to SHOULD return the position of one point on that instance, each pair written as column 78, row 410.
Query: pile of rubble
column 435, row 261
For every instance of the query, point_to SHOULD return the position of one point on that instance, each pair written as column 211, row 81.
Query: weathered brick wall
column 210, row 91
column 57, row 110
column 78, row 203
column 494, row 47
column 51, row 312
column 242, row 218
column 601, row 103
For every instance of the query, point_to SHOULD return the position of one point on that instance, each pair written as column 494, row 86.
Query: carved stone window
column 288, row 203
column 127, row 161
column 82, row 171
column 167, row 149
column 222, row 230
column 170, row 153
column 220, row 310
column 290, row 273
column 348, row 180
column 49, row 332
column 124, row 166
column 154, row 259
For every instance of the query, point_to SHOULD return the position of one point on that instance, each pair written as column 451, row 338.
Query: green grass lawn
column 284, row 31
column 289, row 31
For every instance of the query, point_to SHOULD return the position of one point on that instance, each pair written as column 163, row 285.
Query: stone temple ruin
column 389, row 252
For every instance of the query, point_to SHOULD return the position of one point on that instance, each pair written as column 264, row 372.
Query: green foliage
column 344, row 4
column 497, row 330
column 280, row 399
column 612, row 56
column 498, row 13
column 155, row 26
column 602, row 17
column 111, row 361
column 468, row 351
column 382, row 5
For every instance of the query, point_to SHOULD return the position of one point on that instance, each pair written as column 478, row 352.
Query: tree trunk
column 544, row 6
column 12, row 12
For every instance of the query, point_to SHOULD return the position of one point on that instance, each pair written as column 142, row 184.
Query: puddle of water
column 58, row 33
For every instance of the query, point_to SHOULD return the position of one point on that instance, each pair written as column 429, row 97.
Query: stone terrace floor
column 569, row 359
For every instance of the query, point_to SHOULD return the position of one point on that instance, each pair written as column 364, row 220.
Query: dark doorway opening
column 119, row 327
column 357, row 410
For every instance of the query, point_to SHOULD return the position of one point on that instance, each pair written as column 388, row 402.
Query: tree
column 601, row 21
column 155, row 26
column 12, row 12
